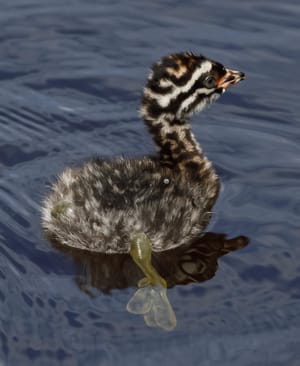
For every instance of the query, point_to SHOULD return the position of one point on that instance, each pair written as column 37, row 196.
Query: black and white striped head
column 182, row 84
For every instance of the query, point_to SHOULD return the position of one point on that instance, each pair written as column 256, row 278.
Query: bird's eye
column 209, row 82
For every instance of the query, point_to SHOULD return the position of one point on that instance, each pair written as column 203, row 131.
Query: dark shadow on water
column 196, row 262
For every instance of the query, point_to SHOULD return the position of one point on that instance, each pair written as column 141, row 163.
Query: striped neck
column 173, row 138
column 178, row 86
column 177, row 145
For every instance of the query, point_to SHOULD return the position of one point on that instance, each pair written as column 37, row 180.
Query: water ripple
column 71, row 77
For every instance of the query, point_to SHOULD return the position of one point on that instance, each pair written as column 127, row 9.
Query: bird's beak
column 231, row 77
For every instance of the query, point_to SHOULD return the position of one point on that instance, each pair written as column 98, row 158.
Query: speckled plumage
column 106, row 201
column 100, row 205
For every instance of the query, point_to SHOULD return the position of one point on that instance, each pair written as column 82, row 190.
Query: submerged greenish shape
column 152, row 302
column 140, row 251
column 151, row 298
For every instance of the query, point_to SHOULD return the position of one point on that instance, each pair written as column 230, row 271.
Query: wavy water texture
column 71, row 76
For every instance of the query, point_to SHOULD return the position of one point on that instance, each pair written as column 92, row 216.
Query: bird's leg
column 140, row 251
column 150, row 299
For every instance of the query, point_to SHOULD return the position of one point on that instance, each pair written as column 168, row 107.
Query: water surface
column 71, row 77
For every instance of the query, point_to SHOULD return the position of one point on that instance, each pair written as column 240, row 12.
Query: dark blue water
column 71, row 75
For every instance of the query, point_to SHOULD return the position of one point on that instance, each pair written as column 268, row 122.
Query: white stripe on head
column 164, row 100
column 165, row 83
column 188, row 101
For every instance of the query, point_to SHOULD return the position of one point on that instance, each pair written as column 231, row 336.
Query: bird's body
column 103, row 204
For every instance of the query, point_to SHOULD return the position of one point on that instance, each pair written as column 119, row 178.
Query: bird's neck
column 177, row 145
column 173, row 138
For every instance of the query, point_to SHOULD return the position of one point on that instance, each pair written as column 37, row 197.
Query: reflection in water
column 196, row 262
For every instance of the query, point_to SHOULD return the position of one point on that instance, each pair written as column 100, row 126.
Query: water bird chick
column 164, row 201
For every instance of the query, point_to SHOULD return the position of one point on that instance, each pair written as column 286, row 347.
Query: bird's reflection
column 196, row 262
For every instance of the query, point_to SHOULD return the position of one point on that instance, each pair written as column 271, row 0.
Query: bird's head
column 182, row 84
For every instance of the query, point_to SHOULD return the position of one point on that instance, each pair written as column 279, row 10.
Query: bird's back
column 100, row 205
